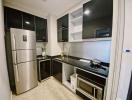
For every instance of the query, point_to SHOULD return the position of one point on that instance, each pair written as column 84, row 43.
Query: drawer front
column 91, row 77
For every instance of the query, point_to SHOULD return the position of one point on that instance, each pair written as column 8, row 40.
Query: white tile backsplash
column 39, row 46
column 90, row 50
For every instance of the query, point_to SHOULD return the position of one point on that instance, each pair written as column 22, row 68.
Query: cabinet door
column 13, row 18
column 45, row 69
column 28, row 22
column 97, row 19
column 65, row 22
column 63, row 35
column 59, row 30
column 65, row 28
column 62, row 29
column 57, row 70
column 59, row 23
column 5, row 17
column 41, row 29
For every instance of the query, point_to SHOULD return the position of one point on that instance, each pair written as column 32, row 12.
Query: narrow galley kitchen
column 65, row 50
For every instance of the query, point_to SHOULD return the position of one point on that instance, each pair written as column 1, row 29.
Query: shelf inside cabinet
column 75, row 33
column 77, row 21
column 77, row 13
column 76, row 36
column 75, row 25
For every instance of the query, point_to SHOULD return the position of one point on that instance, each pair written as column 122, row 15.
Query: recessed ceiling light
column 87, row 12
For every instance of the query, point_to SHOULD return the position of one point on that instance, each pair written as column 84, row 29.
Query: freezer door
column 26, row 55
column 22, row 39
column 25, row 76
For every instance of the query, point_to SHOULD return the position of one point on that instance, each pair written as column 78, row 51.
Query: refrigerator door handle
column 14, row 41
column 14, row 57
column 16, row 73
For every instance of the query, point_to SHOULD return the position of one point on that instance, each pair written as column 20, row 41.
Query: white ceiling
column 54, row 7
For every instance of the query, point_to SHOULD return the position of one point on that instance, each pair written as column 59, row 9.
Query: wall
column 4, row 82
column 39, row 46
column 126, row 63
column 90, row 50
column 125, row 75
column 53, row 47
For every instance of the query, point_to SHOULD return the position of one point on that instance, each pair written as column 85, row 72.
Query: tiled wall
column 39, row 46
column 90, row 50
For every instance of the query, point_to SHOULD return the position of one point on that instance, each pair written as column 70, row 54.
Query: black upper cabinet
column 16, row 19
column 5, row 17
column 41, row 29
column 28, row 22
column 97, row 19
column 62, row 28
column 13, row 18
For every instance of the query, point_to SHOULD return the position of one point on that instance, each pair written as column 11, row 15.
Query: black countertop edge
column 52, row 57
column 74, row 62
column 77, row 58
column 40, row 57
column 73, row 57
column 82, row 65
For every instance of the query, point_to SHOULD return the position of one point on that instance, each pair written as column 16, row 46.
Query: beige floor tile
column 50, row 89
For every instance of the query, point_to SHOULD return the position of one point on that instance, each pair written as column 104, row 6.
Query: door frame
column 116, row 48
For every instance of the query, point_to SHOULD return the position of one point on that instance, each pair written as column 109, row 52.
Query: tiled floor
column 50, row 89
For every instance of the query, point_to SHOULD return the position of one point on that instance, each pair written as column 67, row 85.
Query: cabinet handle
column 14, row 43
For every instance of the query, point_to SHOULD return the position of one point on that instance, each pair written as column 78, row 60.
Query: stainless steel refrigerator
column 21, row 53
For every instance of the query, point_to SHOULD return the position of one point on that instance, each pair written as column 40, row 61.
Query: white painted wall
column 126, row 65
column 116, row 49
column 125, row 76
column 53, row 47
column 4, row 82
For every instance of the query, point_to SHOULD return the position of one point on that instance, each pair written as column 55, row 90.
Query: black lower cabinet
column 44, row 69
column 57, row 70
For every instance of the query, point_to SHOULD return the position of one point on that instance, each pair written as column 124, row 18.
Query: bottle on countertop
column 62, row 55
column 43, row 52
